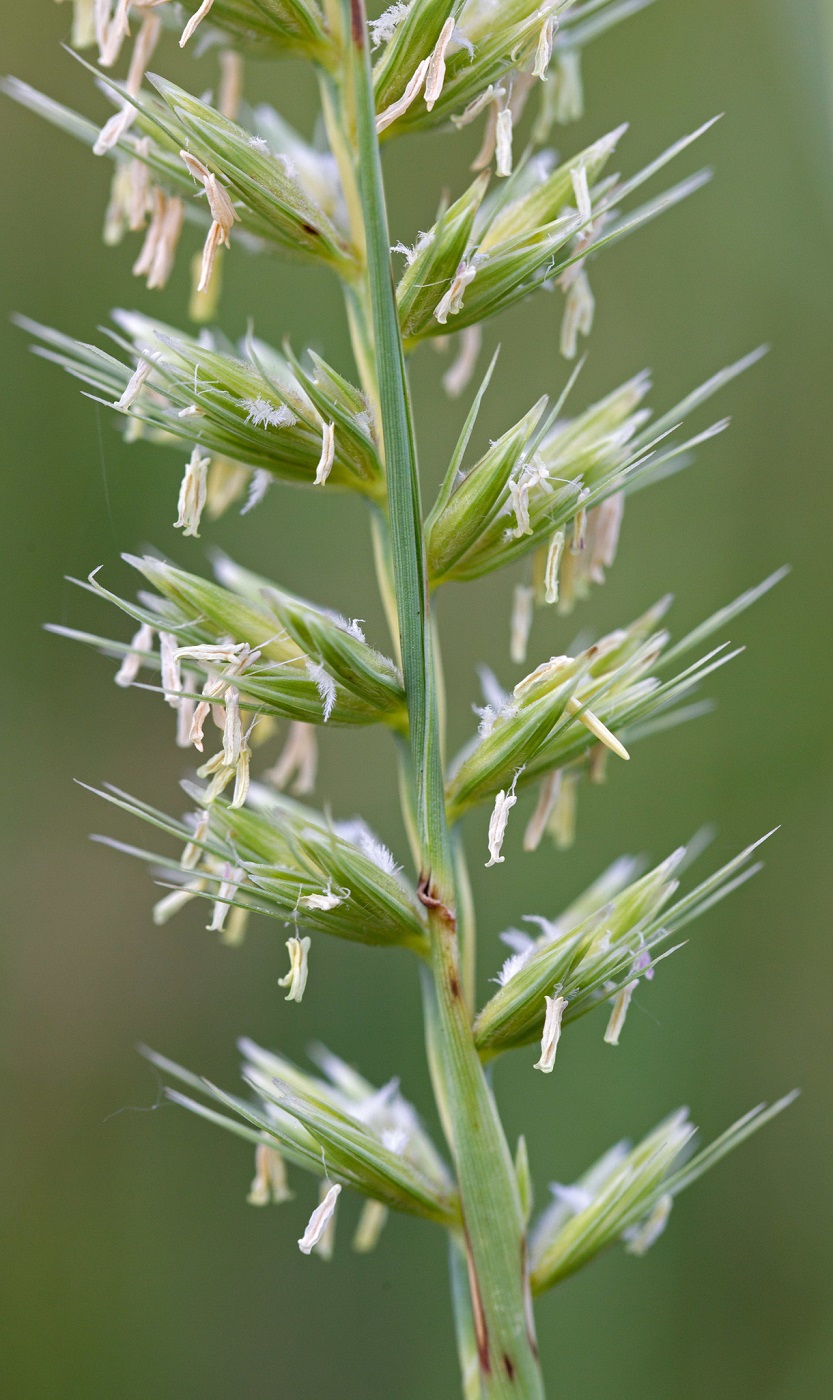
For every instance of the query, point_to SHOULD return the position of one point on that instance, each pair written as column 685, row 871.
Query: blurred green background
column 132, row 1266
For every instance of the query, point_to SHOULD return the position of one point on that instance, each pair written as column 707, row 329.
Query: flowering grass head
column 239, row 661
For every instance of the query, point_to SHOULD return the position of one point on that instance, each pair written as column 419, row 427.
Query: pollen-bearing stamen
column 320, row 1221
column 556, row 1007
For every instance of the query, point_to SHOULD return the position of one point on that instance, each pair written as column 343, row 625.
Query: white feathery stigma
column 258, row 486
column 383, row 29
column 264, row 414
column 325, row 685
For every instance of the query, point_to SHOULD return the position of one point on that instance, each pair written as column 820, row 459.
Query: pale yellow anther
column 171, row 672
column 83, row 23
column 134, row 386
column 452, row 302
column 140, row 645
column 371, row 1224
column 522, row 613
column 110, row 30
column 322, row 902
column 401, row 105
column 547, row 798
column 552, row 1034
column 299, row 759
column 435, row 76
column 222, row 210
column 192, row 494
column 196, row 19
column 226, row 891
column 594, row 724
column 319, row 1222
column 328, row 452
column 141, row 201
column 232, row 727
column 231, row 83
column 641, row 1237
column 543, row 51
column 458, row 376
column 606, row 537
column 487, row 97
column 619, row 1012
column 296, row 977
column 165, row 908
column 214, row 239
column 242, row 776
column 550, row 672
column 270, row 1183
column 119, row 124
column 581, row 190
column 193, row 851
column 504, row 802
column 156, row 259
column 185, row 710
column 579, row 310
column 503, row 142
column 556, row 548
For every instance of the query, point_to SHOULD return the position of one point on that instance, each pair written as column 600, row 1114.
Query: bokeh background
column 132, row 1266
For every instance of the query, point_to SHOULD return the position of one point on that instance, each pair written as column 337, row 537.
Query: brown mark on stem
column 480, row 1331
column 509, row 1366
column 428, row 896
column 357, row 22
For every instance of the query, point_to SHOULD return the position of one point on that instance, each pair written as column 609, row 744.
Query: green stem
column 493, row 1221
